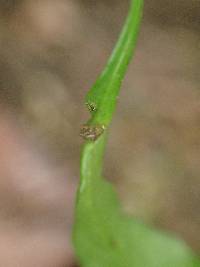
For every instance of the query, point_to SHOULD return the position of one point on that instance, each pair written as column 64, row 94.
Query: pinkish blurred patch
column 36, row 203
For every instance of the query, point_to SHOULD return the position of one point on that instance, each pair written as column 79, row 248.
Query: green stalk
column 102, row 97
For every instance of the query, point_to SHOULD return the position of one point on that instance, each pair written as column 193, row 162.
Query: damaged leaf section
column 91, row 106
column 92, row 132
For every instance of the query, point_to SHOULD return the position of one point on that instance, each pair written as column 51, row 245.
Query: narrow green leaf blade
column 103, row 235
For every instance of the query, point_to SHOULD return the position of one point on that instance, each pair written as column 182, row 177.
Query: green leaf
column 103, row 235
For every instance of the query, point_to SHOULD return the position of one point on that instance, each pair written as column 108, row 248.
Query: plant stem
column 103, row 95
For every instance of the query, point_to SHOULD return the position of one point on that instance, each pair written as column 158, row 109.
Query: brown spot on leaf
column 91, row 106
column 91, row 132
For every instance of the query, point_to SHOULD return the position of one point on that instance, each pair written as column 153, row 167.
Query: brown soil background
column 50, row 54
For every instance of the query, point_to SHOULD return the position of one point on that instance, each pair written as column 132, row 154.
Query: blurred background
column 50, row 54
